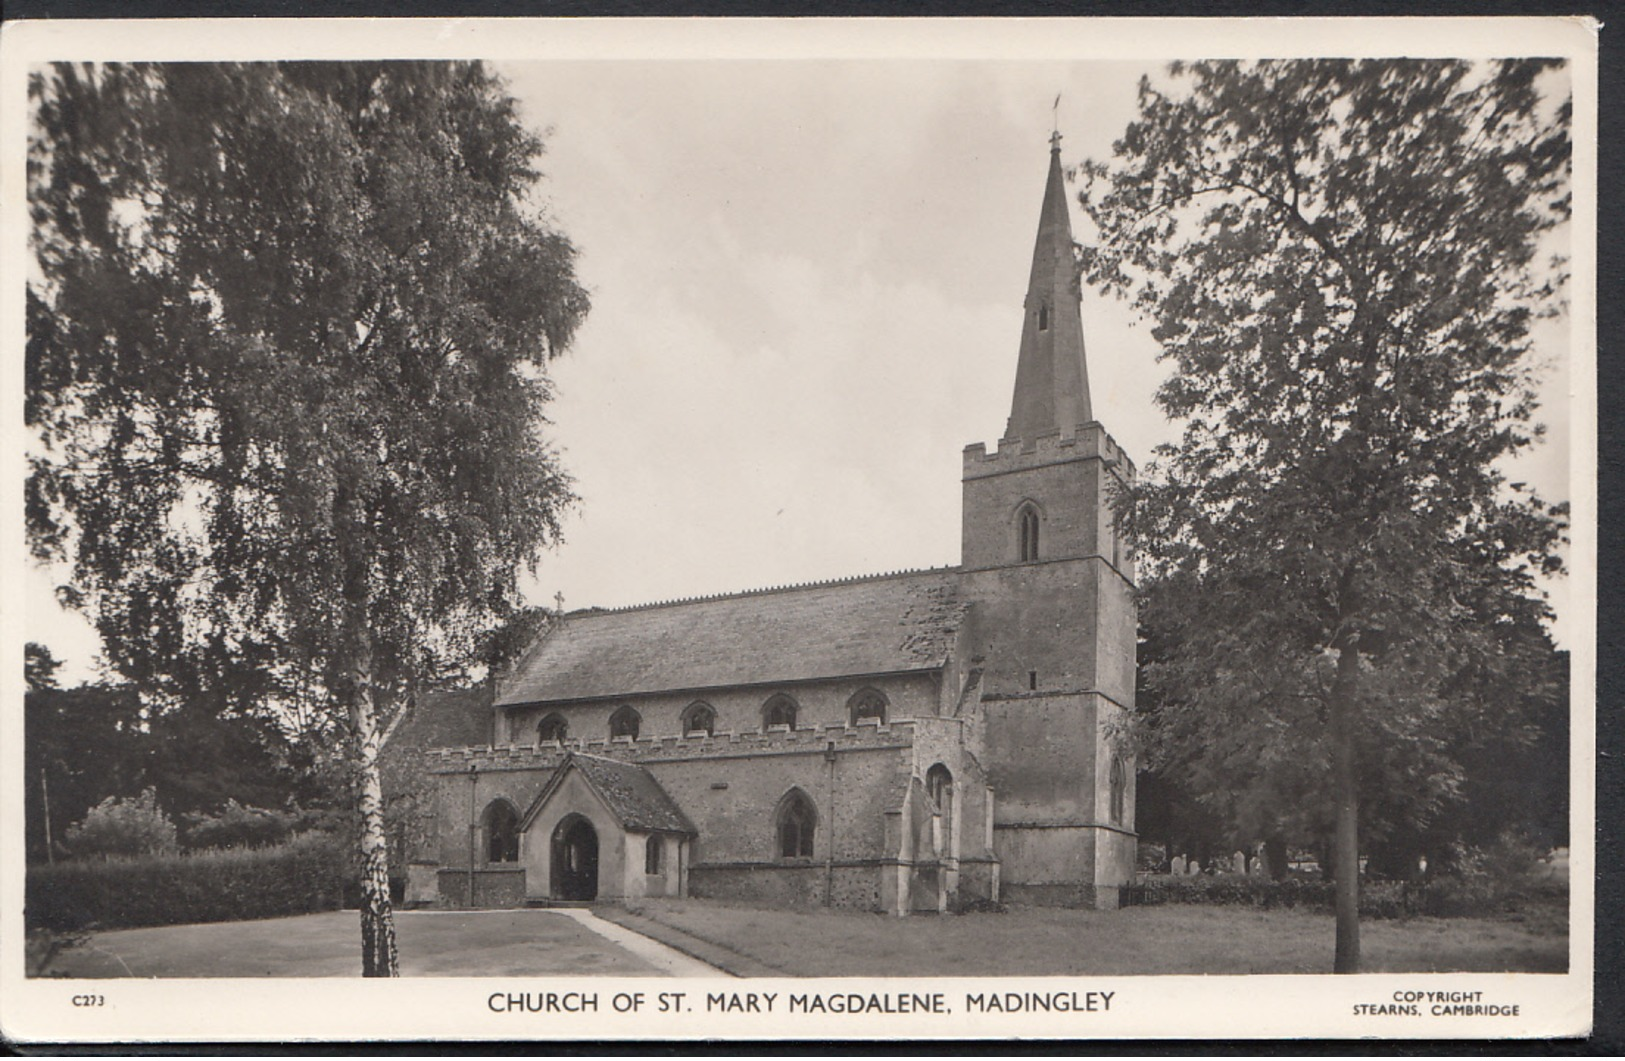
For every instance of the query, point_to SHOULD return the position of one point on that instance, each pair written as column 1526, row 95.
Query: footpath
column 717, row 955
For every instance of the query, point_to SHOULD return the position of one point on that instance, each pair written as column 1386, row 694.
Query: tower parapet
column 1015, row 454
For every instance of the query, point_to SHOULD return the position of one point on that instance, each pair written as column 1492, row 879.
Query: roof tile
column 878, row 625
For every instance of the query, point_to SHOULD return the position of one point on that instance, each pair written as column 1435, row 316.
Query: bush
column 235, row 825
column 1228, row 889
column 122, row 826
column 303, row 875
column 1469, row 889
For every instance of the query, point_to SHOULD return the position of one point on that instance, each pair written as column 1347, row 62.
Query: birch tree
column 288, row 339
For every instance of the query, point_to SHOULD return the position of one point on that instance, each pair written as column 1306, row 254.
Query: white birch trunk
column 378, row 952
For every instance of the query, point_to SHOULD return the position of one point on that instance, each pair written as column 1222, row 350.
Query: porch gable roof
column 632, row 795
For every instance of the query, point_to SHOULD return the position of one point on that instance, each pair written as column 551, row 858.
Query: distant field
column 1141, row 940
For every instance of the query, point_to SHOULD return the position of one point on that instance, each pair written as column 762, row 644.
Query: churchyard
column 752, row 941
column 1153, row 940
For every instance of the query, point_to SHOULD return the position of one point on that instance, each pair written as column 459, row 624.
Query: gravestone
column 1238, row 863
column 1177, row 866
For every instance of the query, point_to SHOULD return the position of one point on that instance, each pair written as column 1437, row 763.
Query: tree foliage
column 1344, row 261
column 285, row 363
column 80, row 746
column 133, row 825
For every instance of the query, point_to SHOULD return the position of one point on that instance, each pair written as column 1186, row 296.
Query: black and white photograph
column 947, row 528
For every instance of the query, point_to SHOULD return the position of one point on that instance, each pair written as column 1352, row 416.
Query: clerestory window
column 867, row 706
column 552, row 730
column 625, row 722
column 779, row 710
column 698, row 719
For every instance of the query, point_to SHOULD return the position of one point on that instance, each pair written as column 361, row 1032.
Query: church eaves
column 1052, row 381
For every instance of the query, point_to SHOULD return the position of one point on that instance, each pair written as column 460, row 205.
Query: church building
column 905, row 742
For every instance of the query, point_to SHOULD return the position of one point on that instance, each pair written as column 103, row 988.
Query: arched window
column 501, row 832
column 651, row 855
column 779, row 710
column 1119, row 790
column 796, row 823
column 552, row 729
column 1027, row 533
column 698, row 718
column 939, row 785
column 868, row 705
column 939, row 782
column 625, row 722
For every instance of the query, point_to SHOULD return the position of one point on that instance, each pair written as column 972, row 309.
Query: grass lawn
column 1141, row 940
column 480, row 943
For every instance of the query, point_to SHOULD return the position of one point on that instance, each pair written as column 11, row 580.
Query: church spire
column 1052, row 382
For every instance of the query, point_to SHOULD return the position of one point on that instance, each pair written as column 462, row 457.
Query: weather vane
column 1055, row 119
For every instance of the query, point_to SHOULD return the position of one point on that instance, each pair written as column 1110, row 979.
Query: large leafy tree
column 1344, row 261
column 288, row 339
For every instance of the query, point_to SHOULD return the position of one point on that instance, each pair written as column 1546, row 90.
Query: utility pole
column 473, row 826
column 45, row 800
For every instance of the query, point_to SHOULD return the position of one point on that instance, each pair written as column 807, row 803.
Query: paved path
column 432, row 943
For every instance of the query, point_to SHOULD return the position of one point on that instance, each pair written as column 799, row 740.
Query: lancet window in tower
column 1119, row 790
column 1027, row 533
column 1043, row 317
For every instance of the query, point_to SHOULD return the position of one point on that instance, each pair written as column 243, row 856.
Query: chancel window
column 552, row 729
column 625, row 722
column 501, row 832
column 779, row 710
column 699, row 718
column 867, row 706
column 796, row 824
column 1027, row 533
column 1119, row 790
column 651, row 855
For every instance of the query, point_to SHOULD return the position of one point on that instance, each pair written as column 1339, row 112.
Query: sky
column 807, row 280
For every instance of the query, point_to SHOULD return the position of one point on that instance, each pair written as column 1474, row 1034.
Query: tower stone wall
column 1053, row 624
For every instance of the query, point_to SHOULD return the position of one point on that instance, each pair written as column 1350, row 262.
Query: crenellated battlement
column 844, row 737
column 1090, row 441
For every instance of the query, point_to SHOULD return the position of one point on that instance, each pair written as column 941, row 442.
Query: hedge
column 305, row 874
column 1442, row 897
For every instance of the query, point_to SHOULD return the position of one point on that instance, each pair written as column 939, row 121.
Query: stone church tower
column 1053, row 626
